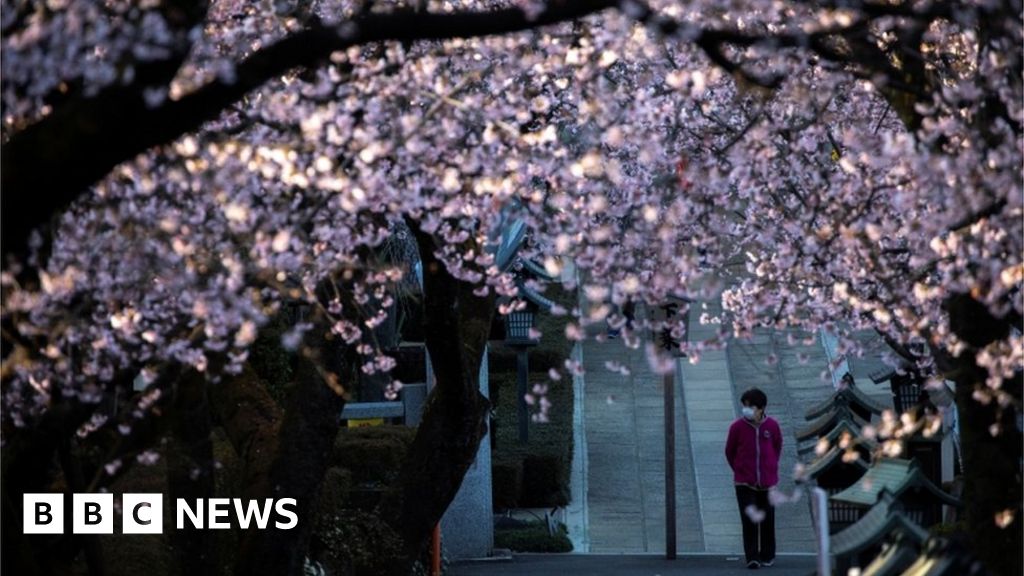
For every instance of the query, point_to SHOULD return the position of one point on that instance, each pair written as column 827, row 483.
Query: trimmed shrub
column 350, row 539
column 544, row 482
column 533, row 537
column 506, row 484
column 153, row 554
column 355, row 543
column 335, row 491
column 374, row 454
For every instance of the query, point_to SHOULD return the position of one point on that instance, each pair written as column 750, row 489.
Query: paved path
column 618, row 480
column 789, row 373
column 624, row 435
column 620, row 435
column 710, row 407
column 623, row 565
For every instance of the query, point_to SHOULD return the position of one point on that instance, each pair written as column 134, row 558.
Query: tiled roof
column 833, row 436
column 892, row 475
column 881, row 521
column 833, row 457
column 895, row 558
column 847, row 395
column 943, row 557
column 824, row 424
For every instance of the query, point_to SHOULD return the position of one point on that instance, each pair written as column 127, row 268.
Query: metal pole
column 819, row 506
column 522, row 375
column 670, row 466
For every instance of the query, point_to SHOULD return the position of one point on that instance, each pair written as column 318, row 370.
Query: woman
column 753, row 449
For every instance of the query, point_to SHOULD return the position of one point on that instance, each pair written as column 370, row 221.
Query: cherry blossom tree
column 183, row 172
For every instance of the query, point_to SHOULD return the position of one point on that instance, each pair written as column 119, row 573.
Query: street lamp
column 664, row 316
column 518, row 325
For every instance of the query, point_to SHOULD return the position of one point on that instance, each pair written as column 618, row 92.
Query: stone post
column 467, row 528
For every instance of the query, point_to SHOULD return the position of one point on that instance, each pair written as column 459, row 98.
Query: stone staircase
column 710, row 408
column 789, row 372
column 623, row 431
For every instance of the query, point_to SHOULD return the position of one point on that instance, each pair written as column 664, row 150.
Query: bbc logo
column 143, row 513
column 93, row 514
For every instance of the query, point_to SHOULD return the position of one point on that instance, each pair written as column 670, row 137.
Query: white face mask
column 748, row 412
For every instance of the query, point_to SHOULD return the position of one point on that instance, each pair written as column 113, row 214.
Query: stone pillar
column 414, row 398
column 467, row 528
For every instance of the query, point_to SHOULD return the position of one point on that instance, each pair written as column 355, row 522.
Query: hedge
column 533, row 537
column 536, row 474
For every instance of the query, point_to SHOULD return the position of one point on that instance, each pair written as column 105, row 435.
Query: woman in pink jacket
column 753, row 449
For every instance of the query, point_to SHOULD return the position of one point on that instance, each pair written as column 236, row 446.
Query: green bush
column 350, row 539
column 272, row 363
column 372, row 454
column 506, row 484
column 545, row 483
column 533, row 537
column 153, row 554
column 550, row 447
column 356, row 543
column 335, row 490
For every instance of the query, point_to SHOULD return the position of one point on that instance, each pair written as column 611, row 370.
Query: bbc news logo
column 143, row 513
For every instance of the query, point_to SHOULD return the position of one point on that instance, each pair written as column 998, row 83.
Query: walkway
column 789, row 372
column 625, row 450
column 618, row 469
column 707, row 388
column 625, row 565
column 620, row 442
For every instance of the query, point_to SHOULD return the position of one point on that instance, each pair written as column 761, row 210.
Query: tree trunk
column 284, row 455
column 453, row 422
column 28, row 465
column 304, row 443
column 251, row 419
column 190, row 473
column 991, row 463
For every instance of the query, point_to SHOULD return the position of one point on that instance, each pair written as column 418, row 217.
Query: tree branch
column 48, row 165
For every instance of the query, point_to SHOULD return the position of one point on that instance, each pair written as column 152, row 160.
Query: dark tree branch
column 190, row 470
column 48, row 165
column 987, row 212
column 453, row 422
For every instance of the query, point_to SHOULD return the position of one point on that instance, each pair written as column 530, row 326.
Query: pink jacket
column 753, row 452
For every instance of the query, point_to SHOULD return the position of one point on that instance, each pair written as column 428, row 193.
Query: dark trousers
column 758, row 526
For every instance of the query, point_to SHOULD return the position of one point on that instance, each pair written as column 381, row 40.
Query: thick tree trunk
column 446, row 442
column 304, row 443
column 991, row 463
column 251, row 419
column 190, row 473
column 29, row 464
column 284, row 455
